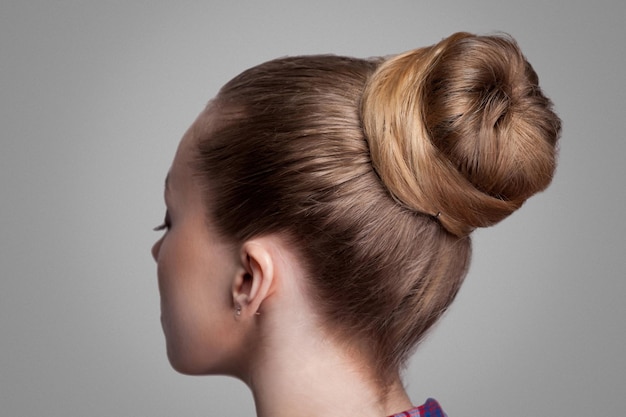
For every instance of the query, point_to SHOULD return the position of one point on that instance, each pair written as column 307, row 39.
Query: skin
column 276, row 344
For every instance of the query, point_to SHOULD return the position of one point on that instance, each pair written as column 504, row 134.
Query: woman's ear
column 254, row 283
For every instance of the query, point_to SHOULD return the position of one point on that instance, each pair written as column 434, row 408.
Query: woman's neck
column 296, row 369
column 299, row 375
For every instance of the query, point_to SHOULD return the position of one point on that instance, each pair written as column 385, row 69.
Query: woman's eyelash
column 165, row 225
column 160, row 227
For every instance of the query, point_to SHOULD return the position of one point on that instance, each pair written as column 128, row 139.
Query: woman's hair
column 377, row 171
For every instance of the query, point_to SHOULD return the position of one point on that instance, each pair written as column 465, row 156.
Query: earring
column 238, row 311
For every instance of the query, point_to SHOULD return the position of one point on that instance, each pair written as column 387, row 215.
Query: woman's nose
column 156, row 248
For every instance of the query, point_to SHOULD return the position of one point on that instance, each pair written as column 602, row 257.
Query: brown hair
column 460, row 135
column 461, row 130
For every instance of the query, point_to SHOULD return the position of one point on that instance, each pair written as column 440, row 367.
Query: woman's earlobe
column 239, row 309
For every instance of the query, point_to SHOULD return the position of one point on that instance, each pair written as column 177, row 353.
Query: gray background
column 94, row 96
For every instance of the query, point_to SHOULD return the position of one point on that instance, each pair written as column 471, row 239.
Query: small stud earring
column 238, row 311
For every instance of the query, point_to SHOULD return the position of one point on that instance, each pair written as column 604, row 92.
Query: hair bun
column 461, row 130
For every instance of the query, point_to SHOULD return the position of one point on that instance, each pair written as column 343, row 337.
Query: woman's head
column 375, row 172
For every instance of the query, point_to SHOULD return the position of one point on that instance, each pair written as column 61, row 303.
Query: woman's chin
column 182, row 364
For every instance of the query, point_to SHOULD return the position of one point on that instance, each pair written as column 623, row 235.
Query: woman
column 319, row 212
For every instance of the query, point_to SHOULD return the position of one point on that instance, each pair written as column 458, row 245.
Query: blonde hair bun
column 461, row 130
